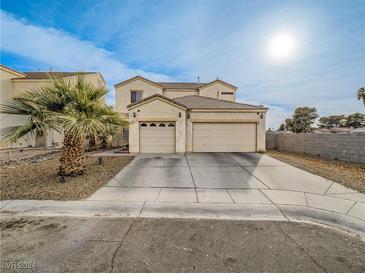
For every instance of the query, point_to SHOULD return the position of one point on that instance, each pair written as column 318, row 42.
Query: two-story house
column 167, row 117
column 14, row 83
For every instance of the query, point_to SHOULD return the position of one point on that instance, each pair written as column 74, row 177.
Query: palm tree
column 361, row 94
column 70, row 106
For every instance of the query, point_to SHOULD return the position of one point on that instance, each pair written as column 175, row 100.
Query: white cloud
column 211, row 40
column 276, row 115
column 62, row 51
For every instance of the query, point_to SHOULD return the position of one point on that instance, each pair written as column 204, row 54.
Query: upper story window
column 136, row 96
column 226, row 93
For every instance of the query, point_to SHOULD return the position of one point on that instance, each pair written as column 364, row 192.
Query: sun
column 281, row 46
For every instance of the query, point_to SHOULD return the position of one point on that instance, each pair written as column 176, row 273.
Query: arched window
column 171, row 125
column 152, row 125
column 143, row 125
column 162, row 125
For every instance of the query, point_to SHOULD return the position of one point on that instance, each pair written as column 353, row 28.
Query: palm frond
column 68, row 105
column 12, row 134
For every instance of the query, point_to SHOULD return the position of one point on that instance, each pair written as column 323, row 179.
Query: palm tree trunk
column 72, row 160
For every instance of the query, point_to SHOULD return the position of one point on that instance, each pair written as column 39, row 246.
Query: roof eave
column 13, row 70
column 219, row 81
column 156, row 96
column 229, row 109
column 125, row 82
column 189, row 89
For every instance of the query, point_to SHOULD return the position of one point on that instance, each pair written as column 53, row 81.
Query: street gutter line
column 300, row 247
column 120, row 245
column 281, row 211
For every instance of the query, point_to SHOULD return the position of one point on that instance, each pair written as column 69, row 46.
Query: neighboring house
column 321, row 130
column 340, row 130
column 333, row 130
column 358, row 130
column 185, row 117
column 15, row 83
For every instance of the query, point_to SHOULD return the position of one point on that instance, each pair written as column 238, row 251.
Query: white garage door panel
column 224, row 137
column 157, row 139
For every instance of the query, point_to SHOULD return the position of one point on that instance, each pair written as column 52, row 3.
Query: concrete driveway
column 217, row 171
column 215, row 177
column 240, row 186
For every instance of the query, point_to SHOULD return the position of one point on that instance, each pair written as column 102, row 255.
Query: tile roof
column 45, row 75
column 200, row 102
column 175, row 85
column 194, row 101
column 196, row 86
column 180, row 85
column 156, row 96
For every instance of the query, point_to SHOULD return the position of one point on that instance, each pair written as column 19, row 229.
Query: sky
column 181, row 40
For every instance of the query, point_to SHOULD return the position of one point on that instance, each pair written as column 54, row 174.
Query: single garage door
column 224, row 137
column 157, row 137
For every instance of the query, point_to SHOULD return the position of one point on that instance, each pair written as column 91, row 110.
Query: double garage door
column 160, row 137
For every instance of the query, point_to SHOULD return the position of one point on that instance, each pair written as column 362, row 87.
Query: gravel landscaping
column 37, row 178
column 348, row 174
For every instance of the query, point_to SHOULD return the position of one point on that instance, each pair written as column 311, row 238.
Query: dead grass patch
column 345, row 173
column 39, row 180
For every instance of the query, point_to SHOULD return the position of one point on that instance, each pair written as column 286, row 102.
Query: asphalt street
column 63, row 244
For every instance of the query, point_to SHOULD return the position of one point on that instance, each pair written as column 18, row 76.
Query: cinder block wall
column 345, row 147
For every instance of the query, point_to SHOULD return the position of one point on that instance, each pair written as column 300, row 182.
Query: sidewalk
column 257, row 212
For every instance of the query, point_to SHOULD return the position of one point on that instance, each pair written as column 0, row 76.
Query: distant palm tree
column 361, row 94
column 70, row 106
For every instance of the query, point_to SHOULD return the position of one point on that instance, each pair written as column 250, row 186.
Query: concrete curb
column 249, row 212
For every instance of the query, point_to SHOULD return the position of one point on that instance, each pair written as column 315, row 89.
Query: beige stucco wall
column 12, row 88
column 215, row 91
column 175, row 93
column 160, row 110
column 203, row 116
column 6, row 84
column 123, row 93
column 123, row 97
column 20, row 86
column 156, row 110
column 7, row 91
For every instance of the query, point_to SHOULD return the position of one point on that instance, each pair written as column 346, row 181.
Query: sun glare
column 281, row 46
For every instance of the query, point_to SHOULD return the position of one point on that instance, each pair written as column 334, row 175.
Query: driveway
column 221, row 178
